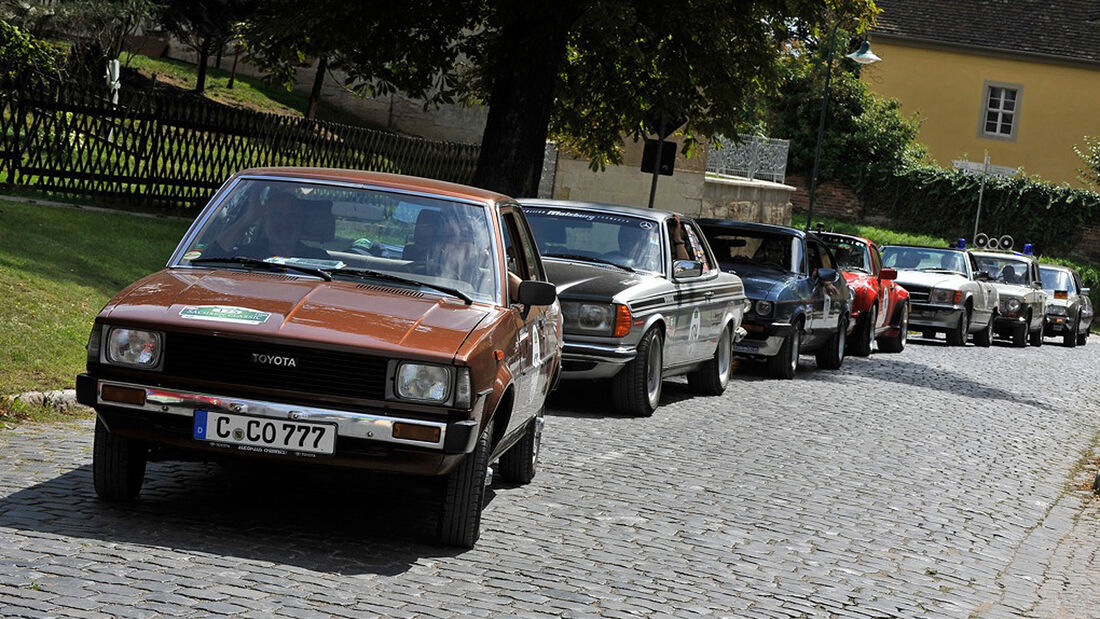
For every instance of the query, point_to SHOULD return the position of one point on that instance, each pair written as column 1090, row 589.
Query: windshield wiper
column 943, row 271
column 584, row 258
column 255, row 262
column 454, row 292
column 845, row 267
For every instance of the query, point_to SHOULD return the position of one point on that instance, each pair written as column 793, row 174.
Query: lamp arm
column 821, row 124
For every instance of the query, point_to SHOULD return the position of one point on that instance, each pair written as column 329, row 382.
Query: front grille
column 917, row 294
column 316, row 371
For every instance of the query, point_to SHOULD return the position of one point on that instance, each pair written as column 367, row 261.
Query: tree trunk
column 204, row 59
column 529, row 55
column 318, row 82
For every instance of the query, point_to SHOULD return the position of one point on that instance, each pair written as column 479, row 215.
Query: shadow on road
column 345, row 522
column 590, row 399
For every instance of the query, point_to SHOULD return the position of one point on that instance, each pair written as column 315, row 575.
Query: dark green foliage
column 23, row 56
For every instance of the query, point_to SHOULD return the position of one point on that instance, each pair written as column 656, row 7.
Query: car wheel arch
column 502, row 416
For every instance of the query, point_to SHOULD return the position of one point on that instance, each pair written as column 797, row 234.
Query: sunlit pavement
column 940, row 482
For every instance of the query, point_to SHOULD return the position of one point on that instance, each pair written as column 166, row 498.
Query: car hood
column 341, row 313
column 931, row 280
column 590, row 281
column 1061, row 302
column 761, row 282
column 1011, row 290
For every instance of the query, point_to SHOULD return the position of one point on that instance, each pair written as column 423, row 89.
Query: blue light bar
column 962, row 243
column 1027, row 249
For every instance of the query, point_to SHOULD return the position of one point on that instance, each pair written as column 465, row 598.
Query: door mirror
column 827, row 275
column 687, row 268
column 888, row 273
column 982, row 276
column 533, row 292
column 1036, row 285
column 1085, row 291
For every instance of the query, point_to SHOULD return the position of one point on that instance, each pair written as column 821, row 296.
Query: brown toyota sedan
column 334, row 317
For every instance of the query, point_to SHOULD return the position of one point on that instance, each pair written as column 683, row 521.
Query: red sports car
column 880, row 306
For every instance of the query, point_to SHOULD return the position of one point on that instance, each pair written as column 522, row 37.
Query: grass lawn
column 58, row 267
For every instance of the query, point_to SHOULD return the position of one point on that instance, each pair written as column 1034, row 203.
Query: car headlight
column 1010, row 304
column 1057, row 310
column 422, row 382
column 596, row 317
column 133, row 347
column 940, row 295
column 764, row 308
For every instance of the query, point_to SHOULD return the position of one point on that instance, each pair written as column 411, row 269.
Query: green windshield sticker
column 222, row 313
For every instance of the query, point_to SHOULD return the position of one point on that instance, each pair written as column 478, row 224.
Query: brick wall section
column 1089, row 247
column 834, row 200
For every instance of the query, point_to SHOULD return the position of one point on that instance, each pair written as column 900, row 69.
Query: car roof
column 601, row 207
column 1009, row 254
column 850, row 237
column 1057, row 267
column 750, row 225
column 925, row 247
column 381, row 179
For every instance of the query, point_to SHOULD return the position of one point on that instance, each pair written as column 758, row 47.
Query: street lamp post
column 863, row 56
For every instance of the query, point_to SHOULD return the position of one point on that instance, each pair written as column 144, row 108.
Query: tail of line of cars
column 398, row 324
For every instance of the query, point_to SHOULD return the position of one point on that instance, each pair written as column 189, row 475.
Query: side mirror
column 1085, row 291
column 888, row 273
column 827, row 275
column 533, row 292
column 687, row 268
column 982, row 276
column 1036, row 285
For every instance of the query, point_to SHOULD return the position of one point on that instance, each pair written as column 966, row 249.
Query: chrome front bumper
column 367, row 426
column 934, row 316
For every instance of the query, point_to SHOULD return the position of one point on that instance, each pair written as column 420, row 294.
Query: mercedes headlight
column 1057, row 310
column 133, row 347
column 422, row 382
column 594, row 317
column 1010, row 304
column 940, row 295
column 763, row 308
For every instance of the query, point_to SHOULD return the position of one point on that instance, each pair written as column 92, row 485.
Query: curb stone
column 62, row 401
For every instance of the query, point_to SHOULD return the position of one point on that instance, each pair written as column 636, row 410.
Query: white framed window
column 1000, row 111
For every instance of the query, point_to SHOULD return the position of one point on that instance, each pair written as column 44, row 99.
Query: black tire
column 1083, row 338
column 861, row 343
column 118, row 465
column 984, row 338
column 636, row 389
column 1035, row 338
column 713, row 376
column 519, row 464
column 1019, row 336
column 1070, row 335
column 784, row 364
column 831, row 357
column 464, row 497
column 896, row 344
column 957, row 336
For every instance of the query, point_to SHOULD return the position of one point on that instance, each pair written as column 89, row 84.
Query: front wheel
column 785, row 362
column 897, row 343
column 519, row 464
column 636, row 389
column 118, row 465
column 1083, row 338
column 714, row 375
column 861, row 344
column 832, row 356
column 1035, row 338
column 1019, row 336
column 464, row 498
column 957, row 336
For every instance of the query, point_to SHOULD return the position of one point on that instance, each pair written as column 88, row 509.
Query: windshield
column 316, row 226
column 924, row 259
column 767, row 249
column 1004, row 269
column 626, row 241
column 850, row 255
column 1056, row 280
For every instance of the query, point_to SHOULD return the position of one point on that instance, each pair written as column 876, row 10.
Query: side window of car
column 876, row 259
column 695, row 247
column 813, row 255
column 819, row 256
column 530, row 252
column 513, row 254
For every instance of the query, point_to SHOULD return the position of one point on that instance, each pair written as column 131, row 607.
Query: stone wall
column 833, row 200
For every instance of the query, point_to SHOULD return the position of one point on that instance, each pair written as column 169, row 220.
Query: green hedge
column 939, row 202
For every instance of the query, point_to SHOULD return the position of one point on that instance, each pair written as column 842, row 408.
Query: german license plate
column 264, row 435
column 750, row 348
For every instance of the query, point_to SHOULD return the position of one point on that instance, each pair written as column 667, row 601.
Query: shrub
column 23, row 56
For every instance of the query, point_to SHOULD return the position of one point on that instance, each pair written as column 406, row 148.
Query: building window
column 1000, row 111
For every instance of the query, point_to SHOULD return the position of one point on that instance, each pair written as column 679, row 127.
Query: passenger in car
column 271, row 229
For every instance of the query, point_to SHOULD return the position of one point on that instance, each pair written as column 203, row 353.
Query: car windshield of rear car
column 850, row 255
column 924, row 259
column 770, row 250
column 1055, row 280
column 314, row 225
column 630, row 242
column 1004, row 269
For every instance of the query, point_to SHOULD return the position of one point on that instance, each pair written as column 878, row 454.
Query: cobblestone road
column 941, row 482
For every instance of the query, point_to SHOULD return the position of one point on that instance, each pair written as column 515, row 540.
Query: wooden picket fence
column 161, row 152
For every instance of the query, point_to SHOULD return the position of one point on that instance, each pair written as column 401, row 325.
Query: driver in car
column 276, row 229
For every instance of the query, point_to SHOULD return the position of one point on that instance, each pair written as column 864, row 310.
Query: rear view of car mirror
column 827, row 275
column 687, row 268
column 534, row 292
column 888, row 273
column 982, row 276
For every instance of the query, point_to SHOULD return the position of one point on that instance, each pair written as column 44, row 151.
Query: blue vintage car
column 800, row 303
